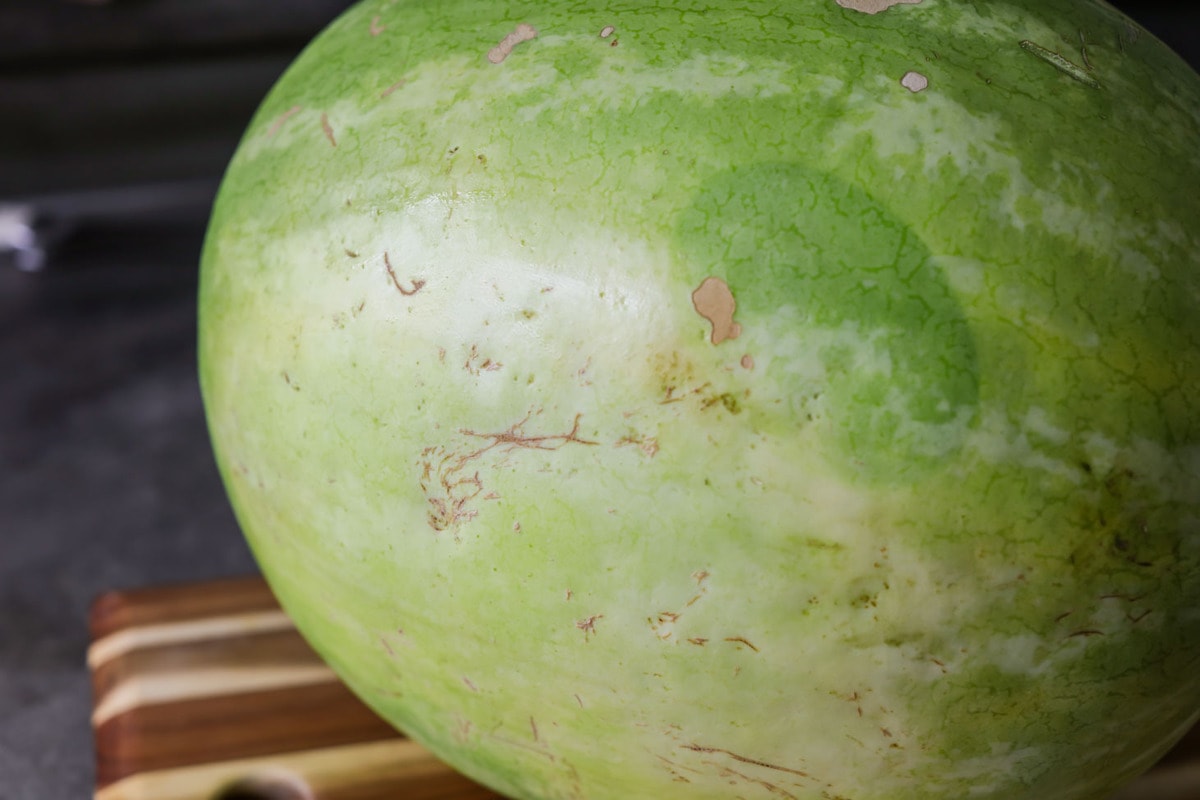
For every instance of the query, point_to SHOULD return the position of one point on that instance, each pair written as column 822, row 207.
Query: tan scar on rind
column 914, row 82
column 714, row 301
column 522, row 33
column 873, row 6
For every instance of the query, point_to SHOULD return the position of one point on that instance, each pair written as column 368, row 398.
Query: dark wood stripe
column 117, row 610
column 214, row 729
column 256, row 651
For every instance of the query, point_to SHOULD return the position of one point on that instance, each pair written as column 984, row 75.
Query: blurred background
column 116, row 121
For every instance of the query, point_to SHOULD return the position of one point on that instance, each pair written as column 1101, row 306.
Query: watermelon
column 719, row 399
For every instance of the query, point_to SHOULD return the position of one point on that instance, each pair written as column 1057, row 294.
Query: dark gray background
column 119, row 117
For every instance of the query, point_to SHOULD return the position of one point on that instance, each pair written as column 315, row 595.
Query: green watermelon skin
column 728, row 399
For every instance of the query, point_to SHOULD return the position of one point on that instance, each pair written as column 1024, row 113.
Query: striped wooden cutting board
column 206, row 692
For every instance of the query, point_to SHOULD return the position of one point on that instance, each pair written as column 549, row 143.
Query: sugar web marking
column 663, row 624
column 744, row 759
column 452, row 484
column 778, row 780
column 416, row 284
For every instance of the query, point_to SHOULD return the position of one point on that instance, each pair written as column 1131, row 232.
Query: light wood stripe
column 328, row 773
column 259, row 651
column 190, row 684
column 173, row 633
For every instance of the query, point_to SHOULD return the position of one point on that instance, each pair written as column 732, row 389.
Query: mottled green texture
column 927, row 528
column 897, row 364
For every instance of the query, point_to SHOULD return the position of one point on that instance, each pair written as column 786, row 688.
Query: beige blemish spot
column 714, row 301
column 914, row 82
column 607, row 31
column 747, row 361
column 873, row 6
column 522, row 33
column 376, row 27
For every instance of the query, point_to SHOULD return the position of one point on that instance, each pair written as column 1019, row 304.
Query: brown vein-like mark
column 450, row 488
column 588, row 625
column 745, row 759
column 778, row 791
column 647, row 444
column 397, row 85
column 667, row 619
column 391, row 271
column 327, row 129
column 669, row 395
column 282, row 118
column 740, row 640
column 515, row 438
column 476, row 365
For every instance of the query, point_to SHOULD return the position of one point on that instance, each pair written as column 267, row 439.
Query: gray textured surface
column 106, row 479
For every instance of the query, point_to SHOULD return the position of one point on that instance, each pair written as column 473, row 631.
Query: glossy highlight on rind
column 674, row 402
